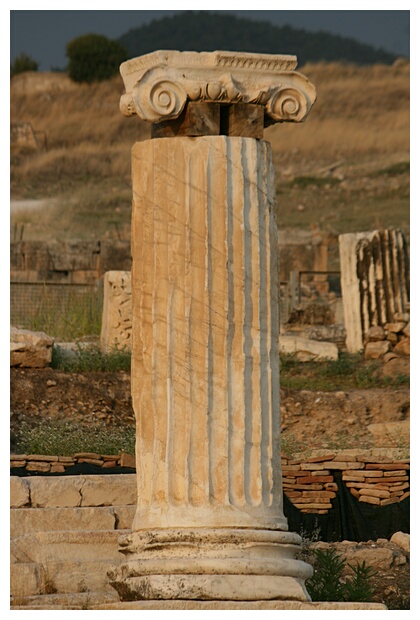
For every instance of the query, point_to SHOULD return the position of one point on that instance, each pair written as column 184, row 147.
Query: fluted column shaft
column 209, row 522
column 205, row 372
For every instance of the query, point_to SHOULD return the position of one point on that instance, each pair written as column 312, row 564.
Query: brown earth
column 313, row 418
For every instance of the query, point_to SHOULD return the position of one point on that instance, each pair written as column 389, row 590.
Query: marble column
column 205, row 361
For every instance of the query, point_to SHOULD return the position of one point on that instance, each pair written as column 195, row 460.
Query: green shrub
column 23, row 63
column 359, row 589
column 92, row 359
column 328, row 582
column 93, row 58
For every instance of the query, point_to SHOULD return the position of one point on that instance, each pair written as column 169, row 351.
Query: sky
column 43, row 34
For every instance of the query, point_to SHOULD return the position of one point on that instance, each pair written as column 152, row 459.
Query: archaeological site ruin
column 197, row 520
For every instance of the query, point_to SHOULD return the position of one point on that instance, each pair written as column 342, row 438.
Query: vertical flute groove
column 209, row 319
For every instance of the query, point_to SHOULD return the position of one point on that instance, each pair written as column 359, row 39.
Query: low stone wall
column 379, row 476
column 58, row 464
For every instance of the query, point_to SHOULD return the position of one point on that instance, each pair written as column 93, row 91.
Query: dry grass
column 360, row 111
column 360, row 121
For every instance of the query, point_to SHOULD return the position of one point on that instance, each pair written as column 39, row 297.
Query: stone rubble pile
column 389, row 341
column 378, row 476
column 30, row 349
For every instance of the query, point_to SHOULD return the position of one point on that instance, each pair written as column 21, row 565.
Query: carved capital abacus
column 160, row 85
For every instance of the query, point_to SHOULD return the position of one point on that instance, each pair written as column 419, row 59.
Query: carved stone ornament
column 158, row 85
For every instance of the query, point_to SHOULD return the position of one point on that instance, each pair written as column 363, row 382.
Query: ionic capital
column 159, row 85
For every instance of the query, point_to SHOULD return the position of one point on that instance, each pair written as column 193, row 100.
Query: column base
column 219, row 564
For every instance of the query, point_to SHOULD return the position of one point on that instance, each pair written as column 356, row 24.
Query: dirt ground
column 313, row 419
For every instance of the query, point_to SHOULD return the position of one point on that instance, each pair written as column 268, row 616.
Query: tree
column 93, row 58
column 22, row 63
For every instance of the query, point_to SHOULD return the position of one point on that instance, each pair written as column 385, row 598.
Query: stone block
column 403, row 346
column 124, row 516
column 127, row 460
column 56, row 492
column 376, row 333
column 19, row 492
column 307, row 350
column 395, row 327
column 117, row 311
column 26, row 521
column 69, row 546
column 24, row 579
column 76, row 491
column 375, row 350
column 381, row 493
column 110, row 490
column 30, row 349
column 367, row 499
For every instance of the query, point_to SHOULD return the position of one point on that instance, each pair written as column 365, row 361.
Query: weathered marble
column 159, row 85
column 116, row 313
column 209, row 523
column 374, row 281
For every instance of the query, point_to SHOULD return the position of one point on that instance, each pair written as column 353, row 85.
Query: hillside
column 346, row 168
column 203, row 31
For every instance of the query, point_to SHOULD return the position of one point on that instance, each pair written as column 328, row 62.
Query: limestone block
column 396, row 327
column 117, row 311
column 375, row 350
column 377, row 557
column 19, row 492
column 77, row 491
column 406, row 330
column 376, row 332
column 24, row 521
column 402, row 540
column 69, row 546
column 403, row 346
column 240, row 605
column 308, row 350
column 124, row 516
column 108, row 490
column 54, row 492
column 30, row 349
column 25, row 579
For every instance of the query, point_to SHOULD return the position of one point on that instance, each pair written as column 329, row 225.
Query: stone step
column 25, row 579
column 31, row 520
column 82, row 545
column 62, row 577
column 69, row 600
column 73, row 491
